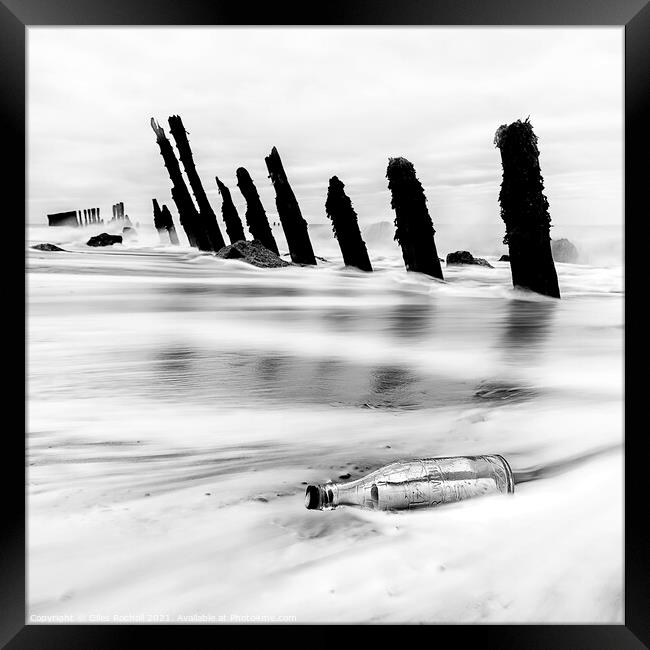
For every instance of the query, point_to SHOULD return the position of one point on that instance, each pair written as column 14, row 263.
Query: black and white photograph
column 324, row 325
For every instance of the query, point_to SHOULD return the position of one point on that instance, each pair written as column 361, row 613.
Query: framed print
column 326, row 320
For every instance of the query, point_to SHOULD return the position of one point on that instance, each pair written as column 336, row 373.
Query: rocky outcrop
column 504, row 258
column 465, row 257
column 564, row 251
column 104, row 240
column 46, row 247
column 252, row 252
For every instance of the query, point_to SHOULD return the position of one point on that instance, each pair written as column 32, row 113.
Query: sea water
column 178, row 404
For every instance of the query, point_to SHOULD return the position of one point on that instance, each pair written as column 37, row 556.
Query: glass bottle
column 419, row 483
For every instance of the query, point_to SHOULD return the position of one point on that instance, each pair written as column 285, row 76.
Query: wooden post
column 258, row 223
column 169, row 224
column 346, row 226
column 207, row 216
column 293, row 224
column 159, row 224
column 187, row 212
column 63, row 219
column 230, row 216
column 524, row 210
column 413, row 226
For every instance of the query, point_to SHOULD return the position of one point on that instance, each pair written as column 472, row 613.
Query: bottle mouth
column 318, row 497
column 313, row 500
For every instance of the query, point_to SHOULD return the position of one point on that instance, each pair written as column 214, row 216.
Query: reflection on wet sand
column 527, row 327
column 410, row 320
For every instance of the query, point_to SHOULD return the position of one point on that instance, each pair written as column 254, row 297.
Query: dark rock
column 46, row 247
column 252, row 252
column 129, row 232
column 344, row 476
column 504, row 258
column 564, row 251
column 465, row 257
column 104, row 240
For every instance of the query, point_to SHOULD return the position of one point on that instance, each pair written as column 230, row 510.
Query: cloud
column 334, row 101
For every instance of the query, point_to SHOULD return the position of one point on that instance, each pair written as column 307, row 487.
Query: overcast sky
column 333, row 101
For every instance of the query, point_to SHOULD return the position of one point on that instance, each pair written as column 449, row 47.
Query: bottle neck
column 331, row 495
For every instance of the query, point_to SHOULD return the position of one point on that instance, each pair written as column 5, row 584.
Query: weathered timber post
column 68, row 218
column 346, row 226
column 158, row 222
column 169, row 224
column 413, row 226
column 85, row 217
column 206, row 213
column 230, row 215
column 256, row 219
column 93, row 212
column 80, row 220
column 524, row 210
column 188, row 214
column 293, row 224
column 185, row 207
column 98, row 217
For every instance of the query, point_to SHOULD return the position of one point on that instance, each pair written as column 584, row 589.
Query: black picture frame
column 634, row 15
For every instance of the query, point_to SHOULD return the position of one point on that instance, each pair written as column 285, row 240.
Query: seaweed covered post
column 293, row 223
column 413, row 226
column 524, row 210
column 230, row 215
column 169, row 225
column 207, row 216
column 256, row 219
column 346, row 226
column 188, row 214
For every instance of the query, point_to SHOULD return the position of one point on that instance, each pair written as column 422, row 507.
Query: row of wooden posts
column 75, row 218
column 87, row 217
column 524, row 209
